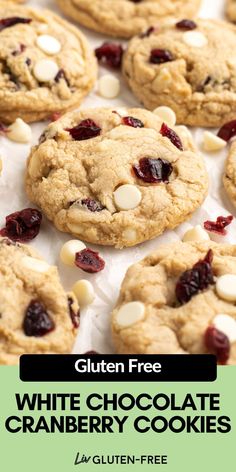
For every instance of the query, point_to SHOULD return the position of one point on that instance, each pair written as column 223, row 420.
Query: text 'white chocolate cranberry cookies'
column 178, row 300
column 125, row 18
column 46, row 65
column 181, row 65
column 115, row 177
column 36, row 315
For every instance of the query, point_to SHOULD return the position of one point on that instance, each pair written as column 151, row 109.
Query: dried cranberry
column 153, row 170
column 61, row 75
column 19, row 51
column 159, row 56
column 172, row 136
column 110, row 54
column 217, row 343
column 22, row 226
column 75, row 316
column 92, row 205
column 89, row 261
column 148, row 32
column 195, row 280
column 186, row 25
column 131, row 121
column 28, row 61
column 55, row 116
column 12, row 21
column 86, row 129
column 219, row 225
column 37, row 321
column 227, row 131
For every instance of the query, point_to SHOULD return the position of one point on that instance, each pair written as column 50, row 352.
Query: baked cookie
column 162, row 309
column 231, row 10
column 37, row 317
column 229, row 177
column 125, row 18
column 46, row 65
column 181, row 65
column 115, row 177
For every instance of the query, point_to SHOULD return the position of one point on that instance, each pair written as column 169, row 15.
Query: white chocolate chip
column 109, row 86
column 75, row 228
column 129, row 235
column 34, row 264
column 127, row 197
column 84, row 292
column 196, row 234
column 195, row 39
column 212, row 143
column 166, row 114
column 45, row 70
column 162, row 81
column 19, row 131
column 48, row 44
column 226, row 287
column 227, row 325
column 69, row 250
column 130, row 313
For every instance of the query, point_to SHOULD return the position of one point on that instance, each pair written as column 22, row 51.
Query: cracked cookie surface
column 46, row 65
column 184, row 68
column 27, row 283
column 75, row 182
column 125, row 18
column 167, row 327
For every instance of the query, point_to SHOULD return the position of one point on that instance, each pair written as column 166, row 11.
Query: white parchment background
column 95, row 321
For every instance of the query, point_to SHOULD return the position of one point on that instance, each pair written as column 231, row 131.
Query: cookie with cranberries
column 176, row 301
column 125, row 18
column 181, row 65
column 36, row 315
column 46, row 64
column 115, row 177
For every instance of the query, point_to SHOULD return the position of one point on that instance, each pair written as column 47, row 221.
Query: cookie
column 181, row 65
column 46, row 65
column 37, row 316
column 231, row 10
column 115, row 177
column 162, row 309
column 125, row 18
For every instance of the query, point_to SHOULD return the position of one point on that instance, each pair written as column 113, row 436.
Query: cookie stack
column 119, row 175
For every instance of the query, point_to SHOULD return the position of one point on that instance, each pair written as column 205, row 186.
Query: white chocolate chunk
column 166, row 114
column 45, row 70
column 34, row 264
column 227, row 325
column 69, row 250
column 130, row 313
column 48, row 44
column 127, row 197
column 196, row 234
column 109, row 86
column 195, row 39
column 129, row 234
column 84, row 292
column 19, row 131
column 212, row 143
column 226, row 287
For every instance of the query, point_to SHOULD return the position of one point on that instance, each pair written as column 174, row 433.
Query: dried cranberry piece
column 148, row 32
column 195, row 280
column 131, row 121
column 219, row 225
column 61, row 75
column 21, row 49
column 89, row 261
column 110, row 54
column 12, row 21
column 186, row 25
column 217, row 343
column 55, row 116
column 22, row 226
column 86, row 129
column 37, row 321
column 75, row 316
column 153, row 170
column 92, row 205
column 159, row 56
column 227, row 131
column 172, row 136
